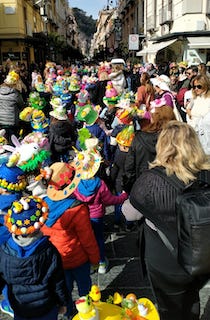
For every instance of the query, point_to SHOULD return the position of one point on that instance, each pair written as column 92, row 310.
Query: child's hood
column 87, row 189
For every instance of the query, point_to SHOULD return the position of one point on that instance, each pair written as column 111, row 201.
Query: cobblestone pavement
column 123, row 274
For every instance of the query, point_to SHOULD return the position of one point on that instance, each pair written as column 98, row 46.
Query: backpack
column 193, row 224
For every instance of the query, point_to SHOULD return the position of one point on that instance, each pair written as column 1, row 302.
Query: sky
column 91, row 7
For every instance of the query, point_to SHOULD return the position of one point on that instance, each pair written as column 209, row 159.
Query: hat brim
column 56, row 116
column 161, row 84
column 57, row 195
column 88, row 174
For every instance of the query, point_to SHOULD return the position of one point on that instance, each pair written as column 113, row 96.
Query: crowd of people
column 76, row 139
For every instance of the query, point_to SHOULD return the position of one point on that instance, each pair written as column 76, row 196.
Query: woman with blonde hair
column 200, row 102
column 145, row 93
column 179, row 154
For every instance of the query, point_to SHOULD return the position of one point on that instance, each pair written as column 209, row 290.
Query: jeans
column 82, row 277
column 98, row 228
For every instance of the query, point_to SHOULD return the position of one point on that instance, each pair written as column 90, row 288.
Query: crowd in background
column 83, row 137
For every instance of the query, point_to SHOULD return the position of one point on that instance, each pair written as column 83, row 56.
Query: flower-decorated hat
column 125, row 137
column 12, row 78
column 87, row 114
column 35, row 101
column 59, row 110
column 12, row 179
column 89, row 160
column 64, row 180
column 26, row 216
column 162, row 82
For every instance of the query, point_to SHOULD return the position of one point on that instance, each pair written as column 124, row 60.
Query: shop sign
column 11, row 55
column 133, row 42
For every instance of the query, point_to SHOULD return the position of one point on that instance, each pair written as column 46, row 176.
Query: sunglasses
column 197, row 87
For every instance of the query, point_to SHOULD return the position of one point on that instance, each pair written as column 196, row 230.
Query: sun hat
column 89, row 160
column 125, row 137
column 64, row 180
column 12, row 179
column 12, row 78
column 162, row 82
column 26, row 216
column 87, row 114
column 118, row 61
column 59, row 110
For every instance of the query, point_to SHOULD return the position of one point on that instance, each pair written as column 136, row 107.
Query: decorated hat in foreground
column 64, row 180
column 26, row 216
column 89, row 160
column 12, row 179
column 59, row 110
column 87, row 114
column 27, row 156
column 12, row 78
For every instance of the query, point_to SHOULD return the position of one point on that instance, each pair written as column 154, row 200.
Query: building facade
column 35, row 30
column 167, row 30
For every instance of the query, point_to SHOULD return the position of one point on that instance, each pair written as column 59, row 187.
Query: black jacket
column 36, row 283
column 141, row 152
column 62, row 136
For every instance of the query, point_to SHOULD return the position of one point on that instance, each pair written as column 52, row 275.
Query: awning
column 155, row 47
column 199, row 42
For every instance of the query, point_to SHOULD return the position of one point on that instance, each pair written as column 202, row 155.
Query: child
column 123, row 139
column 30, row 264
column 69, row 229
column 62, row 135
column 12, row 183
column 93, row 191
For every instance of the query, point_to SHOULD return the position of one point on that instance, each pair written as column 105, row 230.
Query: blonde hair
column 180, row 152
column 203, row 80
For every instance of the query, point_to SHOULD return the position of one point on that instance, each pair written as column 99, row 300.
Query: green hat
column 87, row 114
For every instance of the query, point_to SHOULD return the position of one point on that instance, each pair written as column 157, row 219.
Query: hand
column 62, row 310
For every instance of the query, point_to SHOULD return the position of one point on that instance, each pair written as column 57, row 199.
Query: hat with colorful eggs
column 26, row 216
column 89, row 160
column 87, row 114
column 12, row 179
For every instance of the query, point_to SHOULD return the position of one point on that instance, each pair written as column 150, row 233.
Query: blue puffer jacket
column 36, row 281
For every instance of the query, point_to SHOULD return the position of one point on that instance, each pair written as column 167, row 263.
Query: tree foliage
column 86, row 24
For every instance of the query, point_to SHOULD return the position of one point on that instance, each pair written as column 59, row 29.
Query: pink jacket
column 95, row 193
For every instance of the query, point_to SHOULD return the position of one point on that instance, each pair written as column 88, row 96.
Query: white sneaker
column 103, row 267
